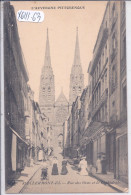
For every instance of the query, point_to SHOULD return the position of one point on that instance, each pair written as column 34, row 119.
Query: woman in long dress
column 98, row 165
column 83, row 166
column 64, row 170
column 55, row 166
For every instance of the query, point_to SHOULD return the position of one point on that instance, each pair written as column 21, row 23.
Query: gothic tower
column 76, row 76
column 47, row 86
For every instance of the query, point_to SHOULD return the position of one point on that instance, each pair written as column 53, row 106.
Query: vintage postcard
column 65, row 97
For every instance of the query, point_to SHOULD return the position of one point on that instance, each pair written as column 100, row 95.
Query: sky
column 61, row 24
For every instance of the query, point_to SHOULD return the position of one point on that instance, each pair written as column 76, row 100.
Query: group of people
column 54, row 170
column 84, row 168
column 101, row 165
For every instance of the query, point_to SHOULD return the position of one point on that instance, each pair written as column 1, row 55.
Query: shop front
column 16, row 154
column 122, row 153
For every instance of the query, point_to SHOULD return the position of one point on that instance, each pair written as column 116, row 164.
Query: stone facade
column 102, row 125
column 15, row 78
column 57, row 111
column 47, row 85
column 25, row 126
column 76, row 76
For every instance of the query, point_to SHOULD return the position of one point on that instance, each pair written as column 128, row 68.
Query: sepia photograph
column 65, row 97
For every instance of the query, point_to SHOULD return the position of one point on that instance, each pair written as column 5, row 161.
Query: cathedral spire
column 76, row 76
column 77, row 60
column 47, row 85
column 47, row 61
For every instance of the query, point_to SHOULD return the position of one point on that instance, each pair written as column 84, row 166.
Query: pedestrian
column 104, row 165
column 64, row 170
column 44, row 170
column 83, row 166
column 98, row 165
column 40, row 155
column 55, row 166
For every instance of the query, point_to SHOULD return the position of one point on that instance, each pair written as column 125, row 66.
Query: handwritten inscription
column 30, row 16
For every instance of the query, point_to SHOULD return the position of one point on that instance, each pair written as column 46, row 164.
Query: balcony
column 101, row 101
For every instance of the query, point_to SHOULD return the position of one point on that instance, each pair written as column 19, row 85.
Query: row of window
column 76, row 77
column 77, row 88
column 99, row 90
column 48, row 89
column 101, row 115
column 100, row 65
column 47, row 77
column 113, row 79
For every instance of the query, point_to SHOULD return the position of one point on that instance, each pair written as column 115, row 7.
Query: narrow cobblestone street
column 60, row 183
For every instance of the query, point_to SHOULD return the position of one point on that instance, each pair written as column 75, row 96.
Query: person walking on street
column 64, row 170
column 83, row 166
column 44, row 170
column 98, row 165
column 55, row 166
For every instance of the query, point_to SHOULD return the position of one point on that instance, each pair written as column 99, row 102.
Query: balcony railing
column 101, row 101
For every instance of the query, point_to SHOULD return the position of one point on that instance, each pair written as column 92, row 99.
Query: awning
column 91, row 131
column 18, row 136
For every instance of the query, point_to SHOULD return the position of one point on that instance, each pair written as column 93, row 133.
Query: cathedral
column 58, row 111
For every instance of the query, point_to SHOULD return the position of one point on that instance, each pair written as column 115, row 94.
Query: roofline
column 100, row 27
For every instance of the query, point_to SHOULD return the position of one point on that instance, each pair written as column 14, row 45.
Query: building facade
column 15, row 78
column 25, row 125
column 99, row 75
column 121, row 131
column 102, row 122
column 107, row 72
column 75, row 127
column 61, row 114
